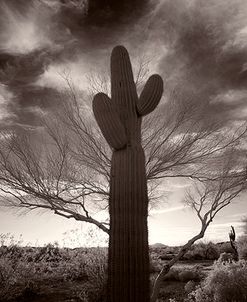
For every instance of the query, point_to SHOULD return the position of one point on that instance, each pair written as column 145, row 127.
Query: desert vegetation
column 225, row 282
column 53, row 273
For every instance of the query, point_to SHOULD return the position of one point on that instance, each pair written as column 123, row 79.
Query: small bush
column 242, row 247
column 226, row 257
column 184, row 274
column 227, row 282
column 202, row 251
column 96, row 271
column 190, row 286
column 188, row 275
column 15, row 279
column 225, row 247
column 167, row 256
column 172, row 275
column 155, row 266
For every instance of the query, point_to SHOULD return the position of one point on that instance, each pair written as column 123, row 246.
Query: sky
column 198, row 47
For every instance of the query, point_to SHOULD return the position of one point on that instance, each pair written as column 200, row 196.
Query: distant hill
column 158, row 245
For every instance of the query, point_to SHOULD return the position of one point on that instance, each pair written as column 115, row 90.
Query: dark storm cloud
column 37, row 33
column 22, row 69
column 18, row 73
column 30, row 103
column 204, row 59
column 29, row 41
column 107, row 11
column 101, row 23
column 93, row 25
column 103, row 12
column 201, row 46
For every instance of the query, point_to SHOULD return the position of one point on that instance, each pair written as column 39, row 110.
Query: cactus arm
column 233, row 232
column 150, row 96
column 123, row 89
column 109, row 121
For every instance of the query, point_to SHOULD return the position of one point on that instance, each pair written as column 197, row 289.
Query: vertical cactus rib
column 128, row 232
column 109, row 121
column 150, row 95
column 120, row 122
column 123, row 90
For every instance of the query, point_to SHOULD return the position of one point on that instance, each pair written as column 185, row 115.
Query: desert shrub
column 202, row 251
column 225, row 247
column 226, row 257
column 7, row 278
column 242, row 247
column 227, row 282
column 172, row 274
column 96, row 266
column 168, row 256
column 16, row 279
column 155, row 265
column 185, row 274
column 8, row 239
column 47, row 264
column 64, row 270
column 89, row 236
column 13, row 253
column 188, row 275
column 48, row 253
column 190, row 286
column 212, row 252
column 96, row 271
column 22, row 269
column 196, row 252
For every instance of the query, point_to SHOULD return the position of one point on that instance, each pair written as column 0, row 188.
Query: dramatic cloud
column 18, row 74
column 40, row 40
column 199, row 47
column 206, row 53
column 31, row 39
column 5, row 97
column 24, row 31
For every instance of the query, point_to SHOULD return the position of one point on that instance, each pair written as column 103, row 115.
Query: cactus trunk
column 119, row 119
column 128, row 248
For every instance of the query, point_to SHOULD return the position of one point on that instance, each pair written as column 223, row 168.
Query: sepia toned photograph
column 123, row 151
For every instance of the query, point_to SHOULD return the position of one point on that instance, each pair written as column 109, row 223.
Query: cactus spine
column 119, row 119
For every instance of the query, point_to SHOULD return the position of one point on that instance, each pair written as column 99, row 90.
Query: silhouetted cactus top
column 115, row 116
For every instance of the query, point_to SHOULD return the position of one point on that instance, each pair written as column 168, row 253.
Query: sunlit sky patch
column 24, row 32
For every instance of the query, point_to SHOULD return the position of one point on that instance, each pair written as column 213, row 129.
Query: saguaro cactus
column 119, row 119
column 232, row 237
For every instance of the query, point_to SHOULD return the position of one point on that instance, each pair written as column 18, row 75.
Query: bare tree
column 58, row 168
column 206, row 198
column 64, row 165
